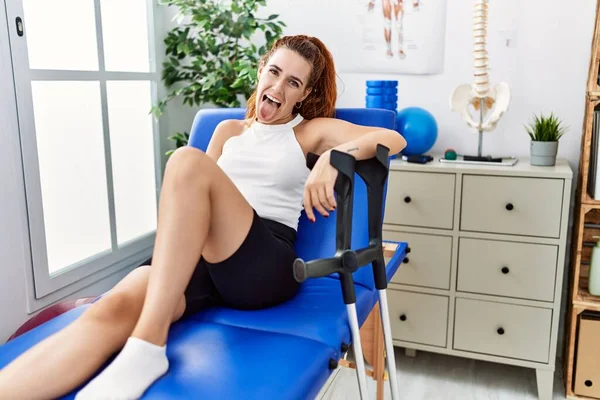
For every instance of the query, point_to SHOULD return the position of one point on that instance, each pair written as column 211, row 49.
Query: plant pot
column 543, row 153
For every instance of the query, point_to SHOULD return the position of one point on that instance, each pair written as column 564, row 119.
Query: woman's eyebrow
column 291, row 76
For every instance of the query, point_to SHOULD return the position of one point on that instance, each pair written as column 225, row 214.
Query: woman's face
column 281, row 84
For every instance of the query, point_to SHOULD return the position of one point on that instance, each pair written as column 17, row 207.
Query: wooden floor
column 436, row 376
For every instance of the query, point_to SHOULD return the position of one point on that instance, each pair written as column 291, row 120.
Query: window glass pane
column 61, row 34
column 132, row 151
column 68, row 124
column 125, row 35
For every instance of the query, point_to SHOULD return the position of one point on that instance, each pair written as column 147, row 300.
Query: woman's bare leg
column 201, row 212
column 68, row 358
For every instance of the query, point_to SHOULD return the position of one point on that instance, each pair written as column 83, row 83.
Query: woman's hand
column 318, row 190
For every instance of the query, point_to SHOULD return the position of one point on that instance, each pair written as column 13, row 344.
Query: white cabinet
column 484, row 275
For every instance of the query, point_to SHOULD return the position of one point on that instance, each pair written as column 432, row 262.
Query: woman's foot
column 132, row 372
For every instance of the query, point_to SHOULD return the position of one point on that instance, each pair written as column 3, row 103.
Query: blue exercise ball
column 419, row 128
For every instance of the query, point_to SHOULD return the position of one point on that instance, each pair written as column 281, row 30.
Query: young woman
column 227, row 222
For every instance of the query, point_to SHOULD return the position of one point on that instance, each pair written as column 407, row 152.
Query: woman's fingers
column 320, row 197
column 308, row 208
column 330, row 197
column 323, row 199
column 316, row 202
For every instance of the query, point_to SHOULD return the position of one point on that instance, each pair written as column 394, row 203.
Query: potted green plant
column 211, row 55
column 545, row 132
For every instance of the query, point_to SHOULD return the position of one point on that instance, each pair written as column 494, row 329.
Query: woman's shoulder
column 229, row 128
column 232, row 126
column 313, row 124
column 224, row 131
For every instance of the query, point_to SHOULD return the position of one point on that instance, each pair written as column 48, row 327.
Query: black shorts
column 258, row 275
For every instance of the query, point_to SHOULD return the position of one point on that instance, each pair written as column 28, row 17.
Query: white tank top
column 267, row 165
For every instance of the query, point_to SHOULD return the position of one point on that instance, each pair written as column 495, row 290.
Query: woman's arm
column 334, row 134
column 360, row 141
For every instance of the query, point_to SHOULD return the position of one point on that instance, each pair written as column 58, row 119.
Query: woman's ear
column 306, row 93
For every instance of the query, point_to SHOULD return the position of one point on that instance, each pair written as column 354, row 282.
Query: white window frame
column 42, row 287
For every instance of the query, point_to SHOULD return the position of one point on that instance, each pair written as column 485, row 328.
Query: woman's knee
column 122, row 304
column 189, row 164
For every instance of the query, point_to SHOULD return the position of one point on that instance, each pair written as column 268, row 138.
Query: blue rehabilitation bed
column 284, row 352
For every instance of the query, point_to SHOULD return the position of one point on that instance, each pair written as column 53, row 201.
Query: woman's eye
column 294, row 83
column 273, row 71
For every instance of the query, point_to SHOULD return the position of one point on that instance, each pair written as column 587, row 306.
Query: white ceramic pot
column 543, row 153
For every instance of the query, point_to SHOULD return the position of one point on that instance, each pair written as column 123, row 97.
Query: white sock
column 136, row 367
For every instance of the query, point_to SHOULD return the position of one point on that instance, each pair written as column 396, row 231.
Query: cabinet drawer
column 423, row 266
column 512, row 205
column 504, row 330
column 420, row 199
column 523, row 270
column 418, row 318
column 587, row 373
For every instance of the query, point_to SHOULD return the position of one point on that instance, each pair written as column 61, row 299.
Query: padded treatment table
column 283, row 352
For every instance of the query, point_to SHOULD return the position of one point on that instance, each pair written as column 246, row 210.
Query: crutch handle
column 346, row 261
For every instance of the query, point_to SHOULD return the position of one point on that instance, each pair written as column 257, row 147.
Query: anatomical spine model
column 490, row 103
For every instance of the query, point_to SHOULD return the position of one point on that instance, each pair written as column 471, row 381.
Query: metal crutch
column 345, row 261
column 374, row 173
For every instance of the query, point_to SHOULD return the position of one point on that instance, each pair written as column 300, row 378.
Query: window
column 85, row 80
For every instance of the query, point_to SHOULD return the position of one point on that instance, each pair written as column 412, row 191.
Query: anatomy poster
column 373, row 36
column 403, row 36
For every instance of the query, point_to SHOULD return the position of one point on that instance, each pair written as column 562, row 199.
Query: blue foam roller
column 388, row 98
column 379, row 103
column 382, row 83
column 381, row 90
column 375, row 102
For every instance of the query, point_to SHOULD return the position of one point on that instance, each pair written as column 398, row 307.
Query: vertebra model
column 490, row 103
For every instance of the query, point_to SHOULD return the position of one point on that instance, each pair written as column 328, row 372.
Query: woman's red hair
column 321, row 100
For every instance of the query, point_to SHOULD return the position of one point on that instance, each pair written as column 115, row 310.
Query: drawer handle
column 405, row 261
column 500, row 331
column 403, row 317
column 505, row 270
column 509, row 206
column 407, row 199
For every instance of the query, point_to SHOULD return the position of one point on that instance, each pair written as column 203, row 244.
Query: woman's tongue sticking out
column 267, row 108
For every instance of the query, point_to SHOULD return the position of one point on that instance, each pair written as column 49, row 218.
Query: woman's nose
column 278, row 86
